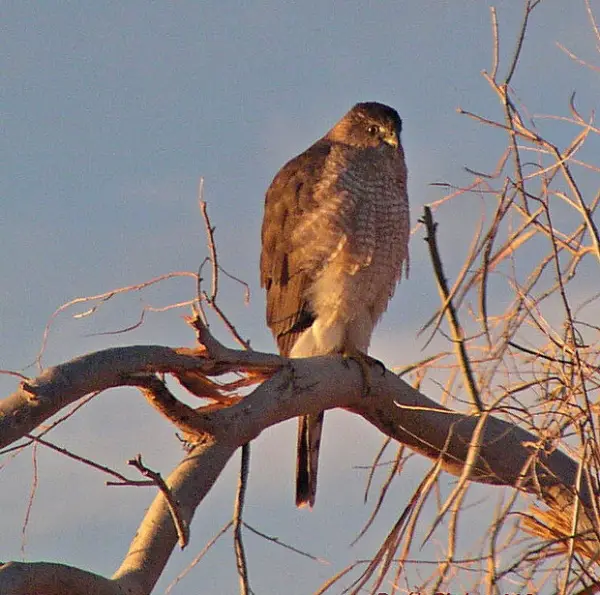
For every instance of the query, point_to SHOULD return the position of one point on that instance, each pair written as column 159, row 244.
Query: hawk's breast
column 364, row 229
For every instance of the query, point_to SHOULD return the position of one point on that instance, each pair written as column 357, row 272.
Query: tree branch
column 296, row 387
column 303, row 386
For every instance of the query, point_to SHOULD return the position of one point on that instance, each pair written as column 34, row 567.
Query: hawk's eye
column 373, row 130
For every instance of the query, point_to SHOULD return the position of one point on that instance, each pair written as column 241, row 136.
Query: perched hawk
column 334, row 243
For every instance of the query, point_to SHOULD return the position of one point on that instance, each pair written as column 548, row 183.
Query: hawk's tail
column 309, row 441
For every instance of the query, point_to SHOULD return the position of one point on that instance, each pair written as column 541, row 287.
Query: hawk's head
column 368, row 124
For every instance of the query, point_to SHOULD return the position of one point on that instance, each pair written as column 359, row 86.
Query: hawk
column 334, row 246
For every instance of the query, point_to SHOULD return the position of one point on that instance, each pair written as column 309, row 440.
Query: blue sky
column 111, row 113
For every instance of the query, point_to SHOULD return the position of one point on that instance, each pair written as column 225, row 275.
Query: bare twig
column 278, row 541
column 458, row 334
column 212, row 298
column 200, row 555
column 30, row 500
column 180, row 524
column 238, row 523
column 63, row 451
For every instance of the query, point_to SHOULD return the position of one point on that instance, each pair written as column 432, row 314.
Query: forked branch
column 459, row 443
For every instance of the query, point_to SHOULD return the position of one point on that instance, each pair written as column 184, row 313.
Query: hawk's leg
column 365, row 362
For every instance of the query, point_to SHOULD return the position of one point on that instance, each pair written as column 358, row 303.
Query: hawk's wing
column 285, row 275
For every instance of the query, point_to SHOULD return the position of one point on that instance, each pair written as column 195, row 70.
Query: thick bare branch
column 300, row 387
column 307, row 386
column 21, row 578
column 56, row 387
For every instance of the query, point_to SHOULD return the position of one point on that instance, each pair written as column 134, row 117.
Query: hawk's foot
column 365, row 362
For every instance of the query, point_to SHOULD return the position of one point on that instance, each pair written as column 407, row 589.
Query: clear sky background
column 111, row 113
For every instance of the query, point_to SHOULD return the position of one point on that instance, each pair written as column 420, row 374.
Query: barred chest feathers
column 369, row 221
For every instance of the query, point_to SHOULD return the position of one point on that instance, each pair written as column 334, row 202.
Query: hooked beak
column 391, row 139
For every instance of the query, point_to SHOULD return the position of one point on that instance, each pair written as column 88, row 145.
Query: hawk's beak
column 391, row 139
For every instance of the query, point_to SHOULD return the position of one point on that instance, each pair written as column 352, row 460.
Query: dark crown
column 378, row 112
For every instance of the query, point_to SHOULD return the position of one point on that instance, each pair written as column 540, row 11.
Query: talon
column 364, row 362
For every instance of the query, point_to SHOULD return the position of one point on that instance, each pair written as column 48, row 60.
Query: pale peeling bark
column 479, row 448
